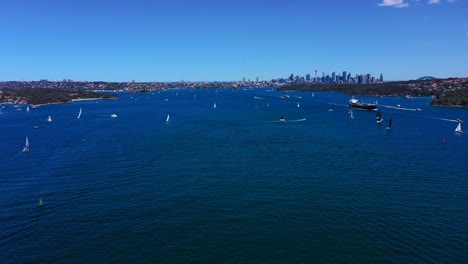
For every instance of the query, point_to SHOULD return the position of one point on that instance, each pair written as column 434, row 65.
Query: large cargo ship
column 358, row 104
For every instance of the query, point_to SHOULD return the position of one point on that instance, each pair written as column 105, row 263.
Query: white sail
column 79, row 114
column 27, row 109
column 26, row 145
column 351, row 114
column 298, row 105
column 49, row 119
column 167, row 118
column 458, row 129
column 389, row 124
column 214, row 106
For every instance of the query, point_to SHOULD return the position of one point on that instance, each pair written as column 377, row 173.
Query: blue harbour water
column 233, row 183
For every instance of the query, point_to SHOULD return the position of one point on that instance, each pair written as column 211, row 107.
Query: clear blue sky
column 205, row 40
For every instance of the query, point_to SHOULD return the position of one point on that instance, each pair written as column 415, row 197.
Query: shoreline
column 87, row 99
column 71, row 101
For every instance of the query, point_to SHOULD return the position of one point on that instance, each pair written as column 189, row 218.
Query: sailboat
column 79, row 114
column 298, row 105
column 49, row 119
column 27, row 109
column 351, row 114
column 458, row 129
column 41, row 203
column 167, row 119
column 379, row 117
column 282, row 119
column 26, row 145
column 389, row 124
column 214, row 106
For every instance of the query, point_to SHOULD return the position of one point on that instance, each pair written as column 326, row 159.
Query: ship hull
column 363, row 106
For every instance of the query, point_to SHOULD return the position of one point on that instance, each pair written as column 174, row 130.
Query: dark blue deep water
column 233, row 184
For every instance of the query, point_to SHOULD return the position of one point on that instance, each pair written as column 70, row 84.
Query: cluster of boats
column 355, row 103
column 49, row 119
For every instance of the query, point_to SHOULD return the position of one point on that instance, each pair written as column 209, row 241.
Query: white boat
column 282, row 119
column 298, row 105
column 27, row 109
column 313, row 95
column 79, row 114
column 114, row 116
column 41, row 203
column 458, row 129
column 49, row 119
column 214, row 106
column 167, row 119
column 26, row 145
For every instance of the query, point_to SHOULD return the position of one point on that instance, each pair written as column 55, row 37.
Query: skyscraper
column 344, row 76
column 381, row 77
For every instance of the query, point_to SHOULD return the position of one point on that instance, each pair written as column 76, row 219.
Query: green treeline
column 454, row 98
column 50, row 95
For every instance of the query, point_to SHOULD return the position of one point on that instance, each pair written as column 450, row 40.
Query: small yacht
column 114, row 116
column 49, row 119
column 26, row 145
column 282, row 119
column 458, row 129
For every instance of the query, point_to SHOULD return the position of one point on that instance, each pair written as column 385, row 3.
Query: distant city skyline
column 206, row 40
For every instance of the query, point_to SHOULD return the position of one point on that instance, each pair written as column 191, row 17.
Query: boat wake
column 399, row 108
column 444, row 119
column 298, row 120
column 286, row 121
column 258, row 97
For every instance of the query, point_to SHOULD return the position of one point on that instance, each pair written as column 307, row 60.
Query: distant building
column 360, row 79
column 381, row 77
